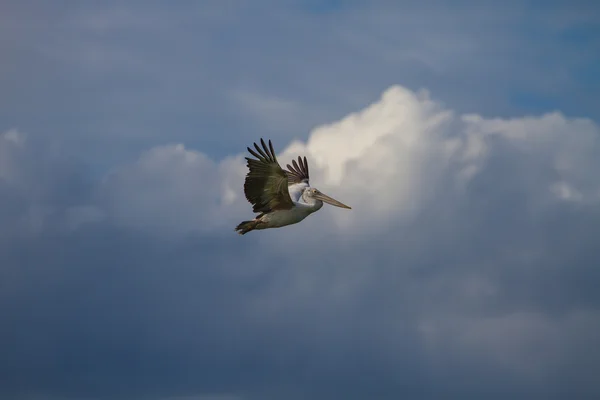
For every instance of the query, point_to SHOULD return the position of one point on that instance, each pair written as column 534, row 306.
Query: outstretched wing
column 298, row 173
column 266, row 184
column 297, row 178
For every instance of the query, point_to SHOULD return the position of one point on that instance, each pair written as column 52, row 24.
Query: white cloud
column 390, row 161
column 397, row 156
column 385, row 159
column 171, row 189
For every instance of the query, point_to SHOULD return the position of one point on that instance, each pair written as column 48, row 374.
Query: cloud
column 113, row 78
column 466, row 266
column 391, row 160
column 163, row 188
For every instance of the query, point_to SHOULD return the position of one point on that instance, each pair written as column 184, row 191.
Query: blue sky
column 464, row 136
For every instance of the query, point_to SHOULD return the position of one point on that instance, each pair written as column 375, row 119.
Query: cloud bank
column 466, row 267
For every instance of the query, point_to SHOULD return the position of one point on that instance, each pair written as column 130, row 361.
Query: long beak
column 329, row 200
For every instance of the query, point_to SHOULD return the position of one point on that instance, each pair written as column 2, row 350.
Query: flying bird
column 280, row 197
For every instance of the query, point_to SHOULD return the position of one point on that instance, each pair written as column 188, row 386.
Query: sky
column 465, row 136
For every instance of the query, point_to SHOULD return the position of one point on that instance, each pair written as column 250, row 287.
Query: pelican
column 280, row 197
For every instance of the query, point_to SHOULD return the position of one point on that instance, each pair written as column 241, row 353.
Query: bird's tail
column 246, row 226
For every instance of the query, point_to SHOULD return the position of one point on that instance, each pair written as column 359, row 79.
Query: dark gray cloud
column 466, row 267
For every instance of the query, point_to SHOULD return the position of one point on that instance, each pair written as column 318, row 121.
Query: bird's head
column 315, row 194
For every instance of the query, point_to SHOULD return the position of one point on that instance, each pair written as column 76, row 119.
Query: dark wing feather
column 298, row 172
column 266, row 184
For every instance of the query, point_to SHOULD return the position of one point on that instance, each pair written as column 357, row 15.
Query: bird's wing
column 266, row 184
column 298, row 178
column 298, row 173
